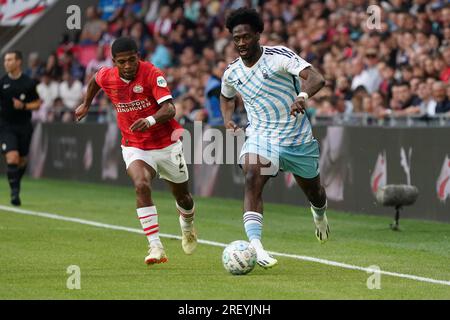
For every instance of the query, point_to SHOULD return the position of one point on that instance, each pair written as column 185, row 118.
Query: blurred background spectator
column 399, row 67
column 70, row 91
column 48, row 90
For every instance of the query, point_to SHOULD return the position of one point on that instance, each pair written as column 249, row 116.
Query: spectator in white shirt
column 356, row 69
column 47, row 90
column 163, row 25
column 70, row 91
column 428, row 104
column 370, row 77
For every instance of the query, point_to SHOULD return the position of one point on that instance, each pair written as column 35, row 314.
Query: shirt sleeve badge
column 161, row 82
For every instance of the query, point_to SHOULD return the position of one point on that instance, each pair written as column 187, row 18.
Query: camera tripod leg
column 395, row 226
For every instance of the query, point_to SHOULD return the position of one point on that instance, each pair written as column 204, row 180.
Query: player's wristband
column 303, row 95
column 151, row 121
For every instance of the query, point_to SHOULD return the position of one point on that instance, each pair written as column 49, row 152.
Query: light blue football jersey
column 268, row 90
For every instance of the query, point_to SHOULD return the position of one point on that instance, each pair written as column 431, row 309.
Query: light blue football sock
column 253, row 225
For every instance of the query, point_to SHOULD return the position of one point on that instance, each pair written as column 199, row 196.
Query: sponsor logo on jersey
column 6, row 86
column 137, row 105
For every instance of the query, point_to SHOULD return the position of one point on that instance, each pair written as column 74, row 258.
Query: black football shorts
column 16, row 138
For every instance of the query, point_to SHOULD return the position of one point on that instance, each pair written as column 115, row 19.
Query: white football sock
column 148, row 216
column 186, row 217
column 256, row 243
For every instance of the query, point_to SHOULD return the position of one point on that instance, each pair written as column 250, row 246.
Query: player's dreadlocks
column 245, row 16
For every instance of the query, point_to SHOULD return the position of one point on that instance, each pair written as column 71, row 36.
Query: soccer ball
column 239, row 257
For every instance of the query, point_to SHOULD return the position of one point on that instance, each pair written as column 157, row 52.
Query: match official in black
column 18, row 97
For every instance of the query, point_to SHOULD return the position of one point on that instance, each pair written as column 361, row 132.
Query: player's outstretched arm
column 312, row 82
column 92, row 89
column 165, row 113
column 227, row 106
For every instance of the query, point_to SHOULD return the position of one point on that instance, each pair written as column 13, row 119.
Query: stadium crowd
column 396, row 65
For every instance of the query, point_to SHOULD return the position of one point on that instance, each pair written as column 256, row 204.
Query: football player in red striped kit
column 150, row 146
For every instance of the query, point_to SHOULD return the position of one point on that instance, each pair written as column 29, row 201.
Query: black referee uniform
column 15, row 125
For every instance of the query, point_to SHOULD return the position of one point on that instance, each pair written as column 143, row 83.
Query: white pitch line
column 219, row 244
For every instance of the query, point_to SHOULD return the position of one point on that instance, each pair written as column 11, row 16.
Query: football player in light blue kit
column 279, row 134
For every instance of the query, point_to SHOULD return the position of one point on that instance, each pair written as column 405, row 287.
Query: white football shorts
column 168, row 162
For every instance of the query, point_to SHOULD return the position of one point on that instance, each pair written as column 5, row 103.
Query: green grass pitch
column 35, row 251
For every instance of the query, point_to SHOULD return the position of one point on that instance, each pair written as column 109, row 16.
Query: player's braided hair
column 245, row 16
column 123, row 44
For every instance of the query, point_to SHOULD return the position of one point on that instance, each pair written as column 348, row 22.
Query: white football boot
column 263, row 259
column 156, row 254
column 189, row 241
column 322, row 228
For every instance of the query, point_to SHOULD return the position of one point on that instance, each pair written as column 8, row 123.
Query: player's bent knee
column 253, row 179
column 250, row 177
column 142, row 186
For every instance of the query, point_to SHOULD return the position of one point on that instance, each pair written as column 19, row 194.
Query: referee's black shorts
column 16, row 137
